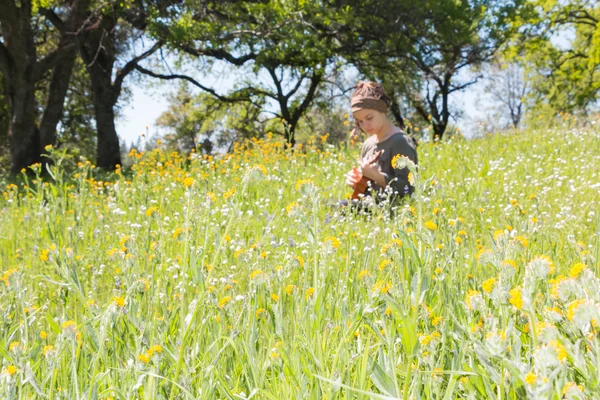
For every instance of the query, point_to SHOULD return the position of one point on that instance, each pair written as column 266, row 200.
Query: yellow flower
column 229, row 193
column 516, row 298
column 48, row 350
column 436, row 210
column 334, row 241
column 289, row 289
column 43, row 335
column 561, row 352
column 576, row 270
column 573, row 306
column 44, row 255
column 488, row 285
column 259, row 312
column 274, row 297
column 523, row 240
column 154, row 349
column 119, row 301
column 224, row 301
column 300, row 261
column 384, row 264
column 144, row 358
column 436, row 321
column 256, row 273
column 364, row 273
column 187, row 182
column 302, row 183
column 151, row 211
column 431, row 225
column 69, row 325
column 470, row 295
column 309, row 292
column 390, row 244
column 10, row 370
column 530, row 378
column 291, row 207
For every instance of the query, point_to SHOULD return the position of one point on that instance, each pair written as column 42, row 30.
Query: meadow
column 230, row 277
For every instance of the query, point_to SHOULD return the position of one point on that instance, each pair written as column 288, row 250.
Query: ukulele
column 363, row 183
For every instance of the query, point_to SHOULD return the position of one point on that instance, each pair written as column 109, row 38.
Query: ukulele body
column 363, row 183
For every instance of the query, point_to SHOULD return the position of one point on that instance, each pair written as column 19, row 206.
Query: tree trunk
column 59, row 85
column 99, row 53
column 108, row 152
column 23, row 134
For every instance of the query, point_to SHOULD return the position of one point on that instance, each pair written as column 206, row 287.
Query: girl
column 370, row 105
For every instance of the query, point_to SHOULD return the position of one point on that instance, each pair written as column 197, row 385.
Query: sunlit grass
column 231, row 277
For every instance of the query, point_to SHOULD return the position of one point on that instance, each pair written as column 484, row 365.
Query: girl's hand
column 368, row 170
column 352, row 177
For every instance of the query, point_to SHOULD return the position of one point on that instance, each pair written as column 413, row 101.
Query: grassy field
column 231, row 278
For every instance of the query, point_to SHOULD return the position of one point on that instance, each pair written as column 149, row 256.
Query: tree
column 560, row 43
column 278, row 43
column 102, row 48
column 22, row 67
column 202, row 122
column 439, row 40
column 507, row 86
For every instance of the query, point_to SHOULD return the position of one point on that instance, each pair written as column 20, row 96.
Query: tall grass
column 232, row 277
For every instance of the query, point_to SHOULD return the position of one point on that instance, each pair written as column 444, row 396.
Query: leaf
column 383, row 381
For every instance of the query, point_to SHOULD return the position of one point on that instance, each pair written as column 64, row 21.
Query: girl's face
column 370, row 121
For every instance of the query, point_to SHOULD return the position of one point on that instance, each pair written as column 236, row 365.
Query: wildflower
column 364, row 273
column 572, row 391
column 522, row 240
column 274, row 297
column 144, row 358
column 576, row 270
column 300, row 261
column 259, row 312
column 224, row 301
column 293, row 208
column 70, row 329
column 187, row 182
column 228, row 194
column 303, row 183
column 488, row 285
column 118, row 301
column 516, row 298
column 333, row 240
column 432, row 226
column 10, row 370
column 152, row 211
column 391, row 244
column 383, row 264
column 309, row 292
column 530, row 378
column 44, row 256
column 474, row 300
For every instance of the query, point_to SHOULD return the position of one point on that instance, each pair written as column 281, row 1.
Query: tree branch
column 219, row 54
column 130, row 66
column 51, row 60
column 54, row 19
column 191, row 80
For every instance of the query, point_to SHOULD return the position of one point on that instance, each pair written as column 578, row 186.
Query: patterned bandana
column 361, row 102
